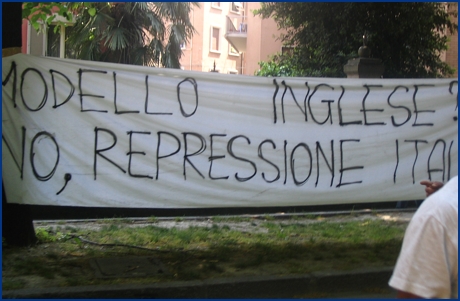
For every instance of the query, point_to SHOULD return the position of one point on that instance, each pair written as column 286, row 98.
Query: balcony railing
column 237, row 32
column 236, row 25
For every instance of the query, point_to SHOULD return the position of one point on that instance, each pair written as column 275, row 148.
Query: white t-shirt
column 427, row 265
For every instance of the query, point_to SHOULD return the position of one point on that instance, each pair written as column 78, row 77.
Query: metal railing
column 236, row 24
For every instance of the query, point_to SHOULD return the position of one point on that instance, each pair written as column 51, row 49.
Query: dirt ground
column 245, row 226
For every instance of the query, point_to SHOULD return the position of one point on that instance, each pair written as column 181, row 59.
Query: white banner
column 81, row 133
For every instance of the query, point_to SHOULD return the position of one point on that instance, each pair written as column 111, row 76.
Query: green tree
column 139, row 33
column 407, row 36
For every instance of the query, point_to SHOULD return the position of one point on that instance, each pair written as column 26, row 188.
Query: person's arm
column 406, row 295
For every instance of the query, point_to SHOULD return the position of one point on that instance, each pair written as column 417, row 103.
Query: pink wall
column 262, row 42
column 24, row 36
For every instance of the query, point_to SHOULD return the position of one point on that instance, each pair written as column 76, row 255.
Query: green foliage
column 48, row 235
column 34, row 266
column 153, row 219
column 11, row 284
column 293, row 65
column 407, row 36
column 138, row 33
column 201, row 252
column 40, row 13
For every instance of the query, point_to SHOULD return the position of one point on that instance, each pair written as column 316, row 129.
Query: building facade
column 229, row 38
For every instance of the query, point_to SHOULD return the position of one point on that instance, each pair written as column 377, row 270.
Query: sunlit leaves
column 41, row 13
column 92, row 11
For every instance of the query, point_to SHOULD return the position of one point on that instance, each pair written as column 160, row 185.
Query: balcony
column 237, row 32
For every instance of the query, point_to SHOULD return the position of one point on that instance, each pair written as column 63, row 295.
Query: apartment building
column 230, row 38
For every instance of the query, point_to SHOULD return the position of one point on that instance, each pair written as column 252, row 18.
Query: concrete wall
column 192, row 54
column 262, row 40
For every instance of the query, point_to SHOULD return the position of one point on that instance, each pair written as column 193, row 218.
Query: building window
column 215, row 5
column 288, row 50
column 215, row 39
column 232, row 50
column 236, row 7
column 53, row 42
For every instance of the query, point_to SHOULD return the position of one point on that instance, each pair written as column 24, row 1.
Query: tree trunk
column 17, row 226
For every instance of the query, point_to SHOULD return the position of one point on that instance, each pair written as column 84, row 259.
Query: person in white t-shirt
column 427, row 266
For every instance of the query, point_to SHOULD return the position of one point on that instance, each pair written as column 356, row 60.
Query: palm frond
column 116, row 38
column 134, row 32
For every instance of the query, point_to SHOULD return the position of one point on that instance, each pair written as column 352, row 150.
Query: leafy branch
column 45, row 13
